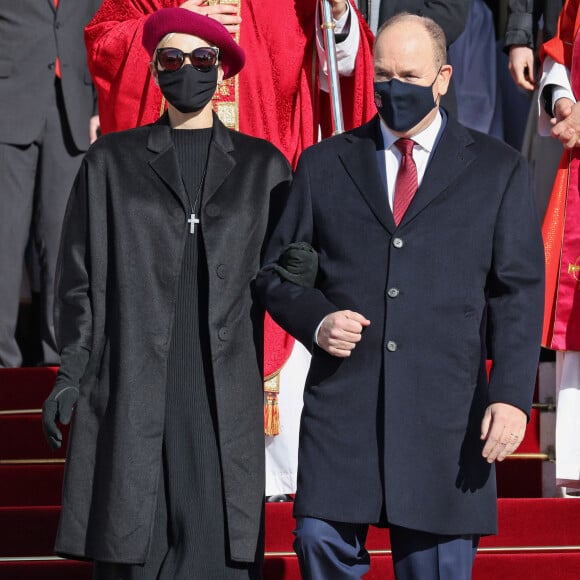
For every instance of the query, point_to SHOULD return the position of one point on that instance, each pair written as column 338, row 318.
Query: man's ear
column 443, row 79
column 153, row 71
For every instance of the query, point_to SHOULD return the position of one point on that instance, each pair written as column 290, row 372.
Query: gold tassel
column 271, row 408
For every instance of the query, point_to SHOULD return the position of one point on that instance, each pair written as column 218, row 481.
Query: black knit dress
column 189, row 540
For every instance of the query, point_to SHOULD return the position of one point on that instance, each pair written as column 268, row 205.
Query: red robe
column 561, row 226
column 277, row 94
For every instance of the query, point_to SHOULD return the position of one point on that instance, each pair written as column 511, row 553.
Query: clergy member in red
column 279, row 96
column 561, row 230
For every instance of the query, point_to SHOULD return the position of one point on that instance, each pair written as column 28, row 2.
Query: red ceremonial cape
column 561, row 225
column 276, row 96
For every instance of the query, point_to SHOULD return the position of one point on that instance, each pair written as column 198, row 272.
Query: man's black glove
column 59, row 405
column 298, row 264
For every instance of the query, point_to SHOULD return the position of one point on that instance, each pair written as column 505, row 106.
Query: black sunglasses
column 203, row 58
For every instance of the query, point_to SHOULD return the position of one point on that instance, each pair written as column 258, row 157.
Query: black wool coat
column 121, row 253
column 397, row 425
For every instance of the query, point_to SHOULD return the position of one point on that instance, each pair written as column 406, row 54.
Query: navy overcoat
column 397, row 425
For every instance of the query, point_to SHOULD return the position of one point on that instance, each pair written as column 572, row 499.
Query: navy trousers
column 336, row 551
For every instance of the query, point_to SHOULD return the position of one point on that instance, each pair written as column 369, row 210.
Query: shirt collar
column 426, row 139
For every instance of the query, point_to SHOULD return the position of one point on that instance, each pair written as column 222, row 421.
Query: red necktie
column 57, row 70
column 407, row 183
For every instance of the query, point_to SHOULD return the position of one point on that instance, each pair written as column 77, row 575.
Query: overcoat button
column 221, row 271
column 223, row 333
column 393, row 292
column 391, row 346
column 398, row 242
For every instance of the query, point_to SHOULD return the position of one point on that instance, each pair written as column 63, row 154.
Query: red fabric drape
column 57, row 70
column 560, row 47
column 560, row 228
column 279, row 96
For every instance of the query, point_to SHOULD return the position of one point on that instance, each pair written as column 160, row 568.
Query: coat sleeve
column 519, row 28
column 73, row 311
column 297, row 309
column 515, row 292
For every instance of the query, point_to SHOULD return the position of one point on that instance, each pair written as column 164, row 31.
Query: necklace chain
column 193, row 220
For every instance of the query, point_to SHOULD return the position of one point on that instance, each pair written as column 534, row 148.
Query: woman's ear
column 153, row 71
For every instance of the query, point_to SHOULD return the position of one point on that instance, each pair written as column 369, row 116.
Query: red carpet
column 538, row 538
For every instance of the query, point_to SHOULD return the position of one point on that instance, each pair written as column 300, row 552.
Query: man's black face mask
column 403, row 105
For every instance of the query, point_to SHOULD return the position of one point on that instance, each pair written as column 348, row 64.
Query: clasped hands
column 566, row 123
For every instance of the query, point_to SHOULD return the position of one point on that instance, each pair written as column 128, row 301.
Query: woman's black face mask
column 188, row 89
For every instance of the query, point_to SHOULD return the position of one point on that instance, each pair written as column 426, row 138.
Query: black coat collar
column 450, row 158
column 164, row 160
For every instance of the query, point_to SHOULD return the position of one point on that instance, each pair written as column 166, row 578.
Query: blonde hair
column 167, row 37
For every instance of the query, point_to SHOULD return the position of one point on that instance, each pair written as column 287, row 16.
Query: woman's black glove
column 298, row 264
column 59, row 405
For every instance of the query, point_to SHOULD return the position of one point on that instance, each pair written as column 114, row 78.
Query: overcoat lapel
column 359, row 160
column 220, row 161
column 450, row 159
column 164, row 162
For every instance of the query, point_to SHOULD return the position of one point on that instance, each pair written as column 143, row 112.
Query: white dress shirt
column 390, row 157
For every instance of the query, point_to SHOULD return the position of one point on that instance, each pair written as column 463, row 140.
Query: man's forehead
column 404, row 46
column 406, row 32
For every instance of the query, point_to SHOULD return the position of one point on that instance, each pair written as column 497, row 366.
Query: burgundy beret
column 167, row 20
